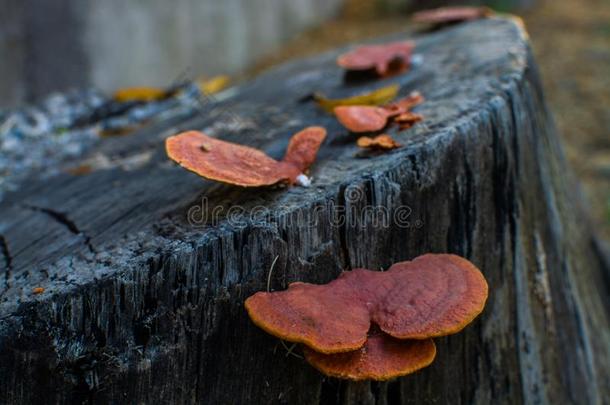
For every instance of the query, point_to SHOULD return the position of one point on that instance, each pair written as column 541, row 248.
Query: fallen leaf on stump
column 383, row 59
column 383, row 141
column 213, row 85
column 241, row 165
column 379, row 96
column 139, row 94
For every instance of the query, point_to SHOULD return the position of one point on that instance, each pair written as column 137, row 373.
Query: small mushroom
column 433, row 295
column 448, row 15
column 407, row 119
column 241, row 165
column 405, row 104
column 361, row 118
column 383, row 141
column 381, row 358
column 384, row 59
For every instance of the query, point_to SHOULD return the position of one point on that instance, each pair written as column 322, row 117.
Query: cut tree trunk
column 145, row 277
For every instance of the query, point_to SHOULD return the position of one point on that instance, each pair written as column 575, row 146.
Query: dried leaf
column 379, row 96
column 139, row 94
column 383, row 141
column 214, row 85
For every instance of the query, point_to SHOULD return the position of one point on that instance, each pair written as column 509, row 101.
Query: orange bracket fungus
column 430, row 296
column 447, row 15
column 360, row 118
column 241, row 165
column 381, row 358
column 384, row 59
column 383, row 141
column 407, row 119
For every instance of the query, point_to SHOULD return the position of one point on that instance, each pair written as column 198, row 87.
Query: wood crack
column 8, row 261
column 63, row 219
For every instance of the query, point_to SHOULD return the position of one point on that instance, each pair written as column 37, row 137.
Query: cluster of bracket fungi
column 364, row 324
column 249, row 167
column 371, row 324
column 245, row 166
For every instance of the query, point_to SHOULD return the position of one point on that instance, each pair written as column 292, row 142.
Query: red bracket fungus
column 383, row 141
column 447, row 15
column 384, row 59
column 430, row 296
column 407, row 119
column 360, row 118
column 381, row 358
column 241, row 165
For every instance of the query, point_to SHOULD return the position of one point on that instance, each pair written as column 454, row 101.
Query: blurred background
column 54, row 46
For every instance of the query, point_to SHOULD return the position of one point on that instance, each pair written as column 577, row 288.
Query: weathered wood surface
column 143, row 301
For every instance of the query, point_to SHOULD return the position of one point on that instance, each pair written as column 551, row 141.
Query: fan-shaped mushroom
column 384, row 59
column 433, row 295
column 381, row 358
column 242, row 165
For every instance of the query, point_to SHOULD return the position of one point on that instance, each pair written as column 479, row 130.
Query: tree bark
column 145, row 279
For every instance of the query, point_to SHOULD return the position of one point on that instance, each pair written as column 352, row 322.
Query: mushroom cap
column 381, row 358
column 241, row 165
column 433, row 295
column 360, row 118
column 383, row 141
column 304, row 146
column 378, row 57
column 405, row 104
column 451, row 14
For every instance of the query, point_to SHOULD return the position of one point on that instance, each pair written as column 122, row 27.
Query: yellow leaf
column 380, row 96
column 213, row 85
column 139, row 94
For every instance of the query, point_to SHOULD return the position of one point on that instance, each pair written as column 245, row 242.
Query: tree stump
column 145, row 270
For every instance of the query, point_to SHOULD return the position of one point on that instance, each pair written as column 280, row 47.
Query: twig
column 271, row 271
column 289, row 350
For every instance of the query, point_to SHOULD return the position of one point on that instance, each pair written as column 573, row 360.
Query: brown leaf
column 379, row 96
